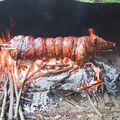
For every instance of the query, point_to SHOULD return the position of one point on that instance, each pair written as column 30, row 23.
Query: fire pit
column 59, row 78
column 38, row 84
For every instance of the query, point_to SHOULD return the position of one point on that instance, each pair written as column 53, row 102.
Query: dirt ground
column 80, row 109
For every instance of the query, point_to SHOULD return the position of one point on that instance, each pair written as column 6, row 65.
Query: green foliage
column 100, row 1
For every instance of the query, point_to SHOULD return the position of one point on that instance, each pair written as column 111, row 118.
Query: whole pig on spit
column 78, row 49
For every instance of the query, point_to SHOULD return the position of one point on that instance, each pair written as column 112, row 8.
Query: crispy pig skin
column 58, row 49
column 79, row 49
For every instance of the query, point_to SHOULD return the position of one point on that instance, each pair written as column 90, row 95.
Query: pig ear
column 91, row 31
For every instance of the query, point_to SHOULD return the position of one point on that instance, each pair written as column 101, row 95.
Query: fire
column 29, row 70
column 52, row 65
column 6, row 62
column 97, row 71
column 91, row 78
column 98, row 81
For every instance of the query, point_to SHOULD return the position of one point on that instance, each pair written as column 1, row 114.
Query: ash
column 84, row 76
column 110, row 77
column 42, row 100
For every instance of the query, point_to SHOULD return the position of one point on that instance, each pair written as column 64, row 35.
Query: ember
column 51, row 69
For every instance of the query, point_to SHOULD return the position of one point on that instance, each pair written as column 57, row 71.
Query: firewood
column 4, row 101
column 11, row 106
column 20, row 92
column 20, row 109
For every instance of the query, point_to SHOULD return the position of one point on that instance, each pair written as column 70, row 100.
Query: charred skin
column 79, row 49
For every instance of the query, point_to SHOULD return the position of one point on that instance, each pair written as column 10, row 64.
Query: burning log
column 20, row 92
column 55, row 72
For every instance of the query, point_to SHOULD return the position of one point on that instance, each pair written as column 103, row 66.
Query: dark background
column 50, row 18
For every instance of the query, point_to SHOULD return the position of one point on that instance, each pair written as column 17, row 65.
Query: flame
column 95, row 82
column 5, row 59
column 97, row 71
